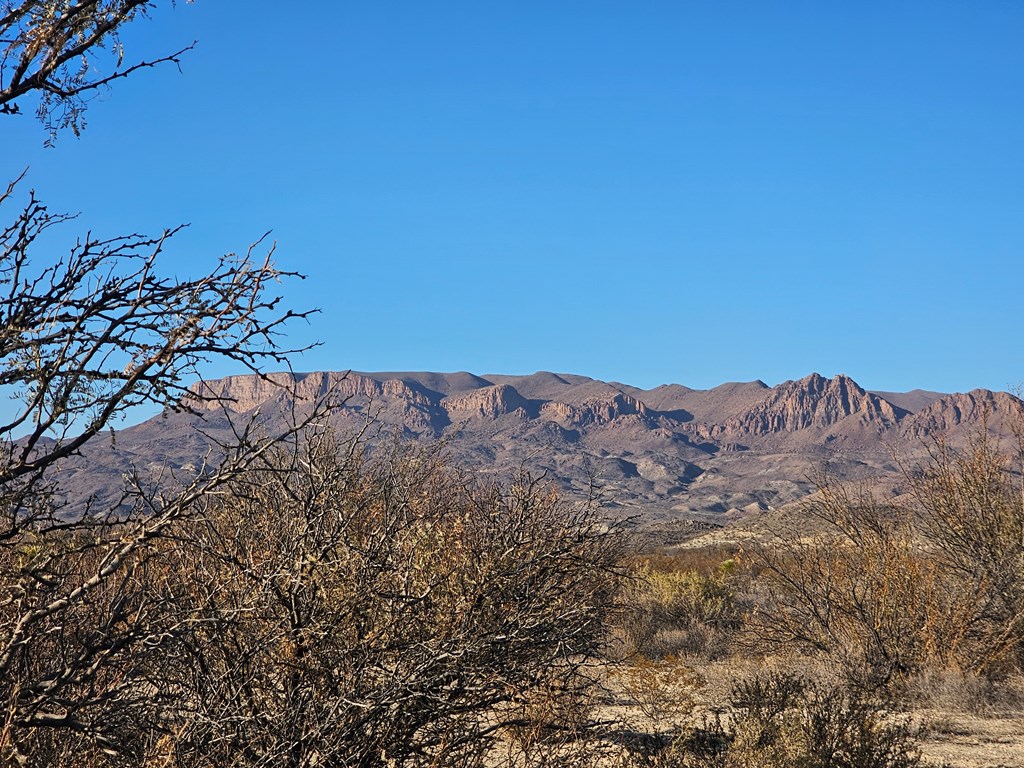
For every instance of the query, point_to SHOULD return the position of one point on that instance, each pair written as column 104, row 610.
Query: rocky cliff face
column 486, row 403
column 595, row 411
column 814, row 402
column 241, row 393
column 244, row 393
column 950, row 414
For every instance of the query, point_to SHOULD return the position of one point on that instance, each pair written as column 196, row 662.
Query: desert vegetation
column 322, row 606
column 888, row 590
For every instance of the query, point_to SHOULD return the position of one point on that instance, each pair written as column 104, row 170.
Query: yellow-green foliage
column 690, row 595
column 683, row 603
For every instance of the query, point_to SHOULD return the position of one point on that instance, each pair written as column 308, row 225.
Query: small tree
column 861, row 591
column 84, row 338
column 890, row 589
column 970, row 507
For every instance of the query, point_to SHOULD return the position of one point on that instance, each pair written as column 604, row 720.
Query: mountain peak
column 816, row 380
column 815, row 401
column 971, row 409
column 667, row 452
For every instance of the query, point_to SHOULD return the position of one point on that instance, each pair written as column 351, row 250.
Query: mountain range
column 670, row 455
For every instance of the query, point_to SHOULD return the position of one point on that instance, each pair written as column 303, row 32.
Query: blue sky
column 648, row 192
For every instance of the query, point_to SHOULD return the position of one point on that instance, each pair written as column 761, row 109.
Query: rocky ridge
column 814, row 402
column 1000, row 411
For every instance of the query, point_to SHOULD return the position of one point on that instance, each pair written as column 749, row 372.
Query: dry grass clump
column 663, row 691
column 955, row 691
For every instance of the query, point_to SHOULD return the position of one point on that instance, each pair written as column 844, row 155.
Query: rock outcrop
column 245, row 393
column 814, row 401
column 486, row 403
column 998, row 411
column 594, row 411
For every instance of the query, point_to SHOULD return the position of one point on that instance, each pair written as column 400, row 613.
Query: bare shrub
column 84, row 340
column 970, row 506
column 862, row 593
column 782, row 720
column 550, row 726
column 357, row 612
column 890, row 592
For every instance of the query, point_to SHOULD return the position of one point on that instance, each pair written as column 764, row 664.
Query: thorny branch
column 84, row 339
column 62, row 51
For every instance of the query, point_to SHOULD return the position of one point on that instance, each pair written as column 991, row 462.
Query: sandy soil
column 959, row 740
